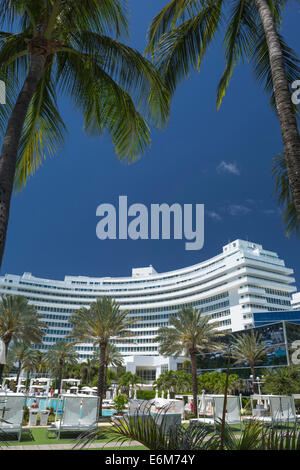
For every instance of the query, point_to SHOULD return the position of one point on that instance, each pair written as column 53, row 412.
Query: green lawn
column 40, row 438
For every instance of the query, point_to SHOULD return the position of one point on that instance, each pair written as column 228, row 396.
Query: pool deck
column 71, row 446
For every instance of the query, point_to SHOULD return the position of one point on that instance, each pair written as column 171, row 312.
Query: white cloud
column 238, row 209
column 228, row 167
column 214, row 215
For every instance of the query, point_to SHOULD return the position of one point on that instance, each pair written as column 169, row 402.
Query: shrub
column 119, row 402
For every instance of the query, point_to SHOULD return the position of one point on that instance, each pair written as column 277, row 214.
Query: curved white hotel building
column 230, row 287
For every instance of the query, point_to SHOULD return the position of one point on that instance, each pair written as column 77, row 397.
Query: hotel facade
column 229, row 288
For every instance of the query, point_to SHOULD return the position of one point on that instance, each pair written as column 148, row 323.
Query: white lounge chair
column 12, row 414
column 79, row 414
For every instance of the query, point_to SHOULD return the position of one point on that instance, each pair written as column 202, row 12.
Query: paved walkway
column 95, row 445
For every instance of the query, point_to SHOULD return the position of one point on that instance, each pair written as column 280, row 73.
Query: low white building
column 244, row 278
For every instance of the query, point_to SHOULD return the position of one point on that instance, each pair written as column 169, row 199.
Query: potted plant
column 120, row 402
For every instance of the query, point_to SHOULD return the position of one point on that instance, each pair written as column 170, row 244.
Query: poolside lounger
column 79, row 414
column 13, row 410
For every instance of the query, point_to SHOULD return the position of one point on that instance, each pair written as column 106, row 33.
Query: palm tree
column 19, row 321
column 113, row 358
column 71, row 48
column 87, row 368
column 21, row 352
column 31, row 362
column 249, row 348
column 62, row 353
column 128, row 381
column 191, row 334
column 99, row 324
column 179, row 37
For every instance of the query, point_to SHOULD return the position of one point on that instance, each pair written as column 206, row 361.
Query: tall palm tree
column 179, row 37
column 22, row 353
column 19, row 321
column 31, row 363
column 190, row 334
column 99, row 324
column 70, row 48
column 62, row 353
column 248, row 347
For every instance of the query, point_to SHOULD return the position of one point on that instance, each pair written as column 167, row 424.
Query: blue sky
column 222, row 159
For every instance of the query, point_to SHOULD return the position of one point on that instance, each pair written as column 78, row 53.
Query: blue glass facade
column 267, row 318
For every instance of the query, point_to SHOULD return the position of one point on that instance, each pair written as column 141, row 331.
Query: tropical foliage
column 282, row 381
column 55, row 48
column 284, row 196
column 98, row 325
column 214, row 382
column 189, row 334
column 249, row 349
column 128, row 381
column 58, row 356
column 179, row 38
column 120, row 401
column 195, row 436
column 19, row 321
column 26, row 357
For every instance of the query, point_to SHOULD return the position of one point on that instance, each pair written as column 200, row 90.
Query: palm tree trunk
column 288, row 123
column 18, row 373
column 60, row 374
column 104, row 380
column 6, row 344
column 253, row 377
column 101, row 375
column 11, row 142
column 194, row 381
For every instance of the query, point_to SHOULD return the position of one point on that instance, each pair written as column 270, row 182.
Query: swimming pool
column 47, row 403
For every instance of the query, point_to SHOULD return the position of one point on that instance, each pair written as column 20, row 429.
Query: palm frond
column 237, row 42
column 103, row 16
column 43, row 131
column 284, row 196
column 262, row 68
column 105, row 105
column 183, row 48
column 167, row 19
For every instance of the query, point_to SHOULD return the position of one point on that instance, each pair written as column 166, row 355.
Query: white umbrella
column 156, row 393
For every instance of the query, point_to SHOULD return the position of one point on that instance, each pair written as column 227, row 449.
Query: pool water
column 47, row 403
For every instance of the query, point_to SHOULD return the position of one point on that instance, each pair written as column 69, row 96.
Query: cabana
column 74, row 384
column 214, row 404
column 281, row 409
column 41, row 385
